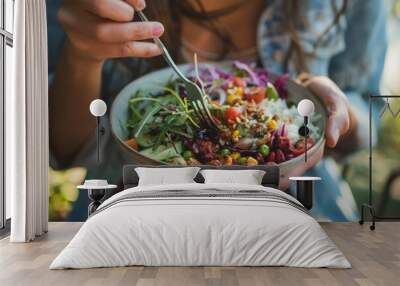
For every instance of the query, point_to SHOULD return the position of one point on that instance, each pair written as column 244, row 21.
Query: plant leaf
column 146, row 118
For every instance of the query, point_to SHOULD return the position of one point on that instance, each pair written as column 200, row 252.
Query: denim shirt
column 352, row 54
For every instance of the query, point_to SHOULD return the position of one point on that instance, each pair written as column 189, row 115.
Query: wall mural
column 246, row 110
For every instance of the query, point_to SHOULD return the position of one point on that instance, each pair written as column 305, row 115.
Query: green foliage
column 63, row 192
column 389, row 133
column 386, row 159
column 155, row 120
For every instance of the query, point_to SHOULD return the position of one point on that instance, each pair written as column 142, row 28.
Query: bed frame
column 271, row 177
column 130, row 179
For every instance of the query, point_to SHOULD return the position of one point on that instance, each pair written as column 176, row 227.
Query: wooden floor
column 375, row 257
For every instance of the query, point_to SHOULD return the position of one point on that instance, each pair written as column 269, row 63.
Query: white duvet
column 200, row 231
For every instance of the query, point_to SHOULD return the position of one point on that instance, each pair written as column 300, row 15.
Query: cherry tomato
column 239, row 82
column 132, row 143
column 299, row 149
column 231, row 113
column 257, row 94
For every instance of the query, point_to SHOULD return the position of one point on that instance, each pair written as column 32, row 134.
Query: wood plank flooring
column 375, row 257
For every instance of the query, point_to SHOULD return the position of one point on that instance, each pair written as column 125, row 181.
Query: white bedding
column 223, row 231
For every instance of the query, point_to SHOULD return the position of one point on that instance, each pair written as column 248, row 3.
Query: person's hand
column 340, row 119
column 102, row 29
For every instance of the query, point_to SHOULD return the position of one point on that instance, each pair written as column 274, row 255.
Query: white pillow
column 247, row 177
column 166, row 176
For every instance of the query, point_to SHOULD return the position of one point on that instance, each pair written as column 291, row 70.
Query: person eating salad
column 335, row 48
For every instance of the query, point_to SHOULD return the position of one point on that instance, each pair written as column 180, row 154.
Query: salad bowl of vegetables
column 256, row 111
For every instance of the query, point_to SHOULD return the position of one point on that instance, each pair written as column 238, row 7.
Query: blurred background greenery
column 386, row 154
column 63, row 192
column 385, row 171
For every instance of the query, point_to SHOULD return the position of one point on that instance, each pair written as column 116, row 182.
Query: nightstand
column 305, row 190
column 96, row 193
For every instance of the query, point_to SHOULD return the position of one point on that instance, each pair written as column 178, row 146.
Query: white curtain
column 27, row 124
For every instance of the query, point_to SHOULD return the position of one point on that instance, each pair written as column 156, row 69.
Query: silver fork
column 194, row 93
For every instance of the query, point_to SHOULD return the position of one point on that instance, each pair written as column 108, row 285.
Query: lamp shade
column 305, row 107
column 98, row 107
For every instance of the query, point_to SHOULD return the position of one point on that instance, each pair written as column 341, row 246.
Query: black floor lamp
column 305, row 108
column 98, row 108
column 370, row 205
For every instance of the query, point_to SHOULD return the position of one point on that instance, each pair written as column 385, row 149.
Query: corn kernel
column 272, row 124
column 239, row 91
column 236, row 133
column 231, row 98
column 235, row 155
column 251, row 161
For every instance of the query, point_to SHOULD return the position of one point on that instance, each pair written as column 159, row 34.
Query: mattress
column 201, row 225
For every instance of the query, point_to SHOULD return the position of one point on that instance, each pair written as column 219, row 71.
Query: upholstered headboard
column 271, row 178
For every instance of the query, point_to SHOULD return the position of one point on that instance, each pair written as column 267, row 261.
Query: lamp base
column 96, row 196
column 304, row 194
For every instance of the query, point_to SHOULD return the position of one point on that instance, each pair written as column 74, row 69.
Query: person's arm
column 357, row 70
column 96, row 30
column 354, row 74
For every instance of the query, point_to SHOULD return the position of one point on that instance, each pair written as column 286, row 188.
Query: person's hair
column 169, row 13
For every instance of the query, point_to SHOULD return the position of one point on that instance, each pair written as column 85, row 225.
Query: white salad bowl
column 120, row 114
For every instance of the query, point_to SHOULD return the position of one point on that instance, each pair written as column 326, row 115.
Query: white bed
column 239, row 229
